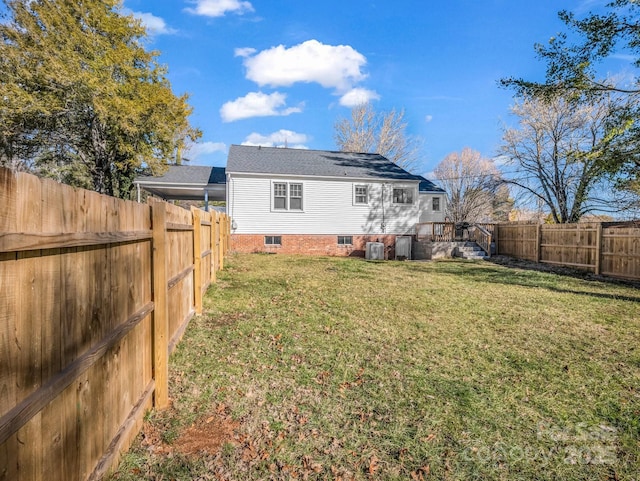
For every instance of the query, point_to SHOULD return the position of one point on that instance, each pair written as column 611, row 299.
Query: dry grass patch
column 331, row 368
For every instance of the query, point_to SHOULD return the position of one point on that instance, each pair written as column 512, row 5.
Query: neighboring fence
column 610, row 249
column 94, row 294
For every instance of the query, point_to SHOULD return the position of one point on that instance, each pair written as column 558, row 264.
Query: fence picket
column 83, row 341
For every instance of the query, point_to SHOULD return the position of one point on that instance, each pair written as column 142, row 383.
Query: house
column 323, row 202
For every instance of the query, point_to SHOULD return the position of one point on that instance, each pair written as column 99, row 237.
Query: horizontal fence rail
column 610, row 249
column 95, row 292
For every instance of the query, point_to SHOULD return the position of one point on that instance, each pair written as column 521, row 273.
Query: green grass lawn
column 337, row 368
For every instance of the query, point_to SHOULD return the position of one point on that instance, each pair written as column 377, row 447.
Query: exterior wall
column 427, row 214
column 328, row 208
column 311, row 244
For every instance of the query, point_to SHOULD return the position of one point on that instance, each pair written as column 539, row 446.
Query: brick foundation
column 325, row 245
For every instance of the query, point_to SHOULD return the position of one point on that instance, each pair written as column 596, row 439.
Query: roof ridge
column 307, row 150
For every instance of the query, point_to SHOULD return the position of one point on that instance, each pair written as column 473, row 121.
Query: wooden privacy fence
column 94, row 294
column 610, row 249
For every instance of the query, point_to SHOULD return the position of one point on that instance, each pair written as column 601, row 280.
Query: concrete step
column 470, row 250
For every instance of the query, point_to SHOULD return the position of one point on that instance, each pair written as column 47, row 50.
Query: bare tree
column 560, row 150
column 473, row 187
column 379, row 132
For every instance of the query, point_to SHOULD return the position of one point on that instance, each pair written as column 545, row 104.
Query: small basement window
column 345, row 240
column 272, row 240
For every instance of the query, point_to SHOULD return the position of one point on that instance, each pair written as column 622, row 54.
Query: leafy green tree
column 572, row 67
column 81, row 100
column 572, row 73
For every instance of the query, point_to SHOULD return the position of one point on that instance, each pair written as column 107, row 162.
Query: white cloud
column 331, row 66
column 218, row 8
column 256, row 104
column 282, row 137
column 428, row 118
column 154, row 25
column 244, row 52
column 358, row 96
column 204, row 148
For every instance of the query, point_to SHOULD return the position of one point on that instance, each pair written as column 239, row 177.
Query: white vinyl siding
column 328, row 207
column 427, row 204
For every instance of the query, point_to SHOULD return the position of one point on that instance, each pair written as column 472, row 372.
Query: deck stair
column 469, row 250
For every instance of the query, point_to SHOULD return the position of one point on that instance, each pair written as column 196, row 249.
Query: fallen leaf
column 373, row 465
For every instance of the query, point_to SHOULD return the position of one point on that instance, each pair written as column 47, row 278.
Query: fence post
column 227, row 244
column 538, row 242
column 217, row 249
column 212, row 242
column 197, row 260
column 220, row 224
column 598, row 266
column 161, row 309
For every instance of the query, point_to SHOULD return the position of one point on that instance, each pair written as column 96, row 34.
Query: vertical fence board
column 29, row 325
column 197, row 260
column 83, row 386
column 9, row 355
column 160, row 321
column 613, row 251
column 212, row 243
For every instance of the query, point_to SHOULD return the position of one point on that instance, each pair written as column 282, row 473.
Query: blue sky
column 261, row 71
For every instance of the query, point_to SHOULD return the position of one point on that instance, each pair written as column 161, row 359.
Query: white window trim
column 366, row 186
column 272, row 244
column 413, row 197
column 439, row 203
column 343, row 244
column 288, row 184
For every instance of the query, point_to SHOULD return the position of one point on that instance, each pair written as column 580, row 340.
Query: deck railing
column 436, row 231
column 482, row 234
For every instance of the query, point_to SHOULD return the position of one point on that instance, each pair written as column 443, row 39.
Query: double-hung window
column 403, row 195
column 360, row 194
column 435, row 204
column 287, row 196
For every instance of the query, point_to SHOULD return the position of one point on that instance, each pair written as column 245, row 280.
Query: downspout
column 383, row 225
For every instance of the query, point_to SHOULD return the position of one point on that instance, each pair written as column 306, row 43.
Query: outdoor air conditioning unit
column 375, row 251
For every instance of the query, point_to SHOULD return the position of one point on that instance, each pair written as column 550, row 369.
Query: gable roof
column 186, row 182
column 316, row 163
column 428, row 186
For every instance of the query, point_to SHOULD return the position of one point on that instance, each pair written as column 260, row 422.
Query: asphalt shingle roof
column 428, row 186
column 188, row 174
column 317, row 163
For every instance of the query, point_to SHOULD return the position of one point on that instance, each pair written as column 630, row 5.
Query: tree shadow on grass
column 507, row 271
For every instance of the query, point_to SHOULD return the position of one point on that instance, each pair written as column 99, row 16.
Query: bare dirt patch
column 207, row 435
